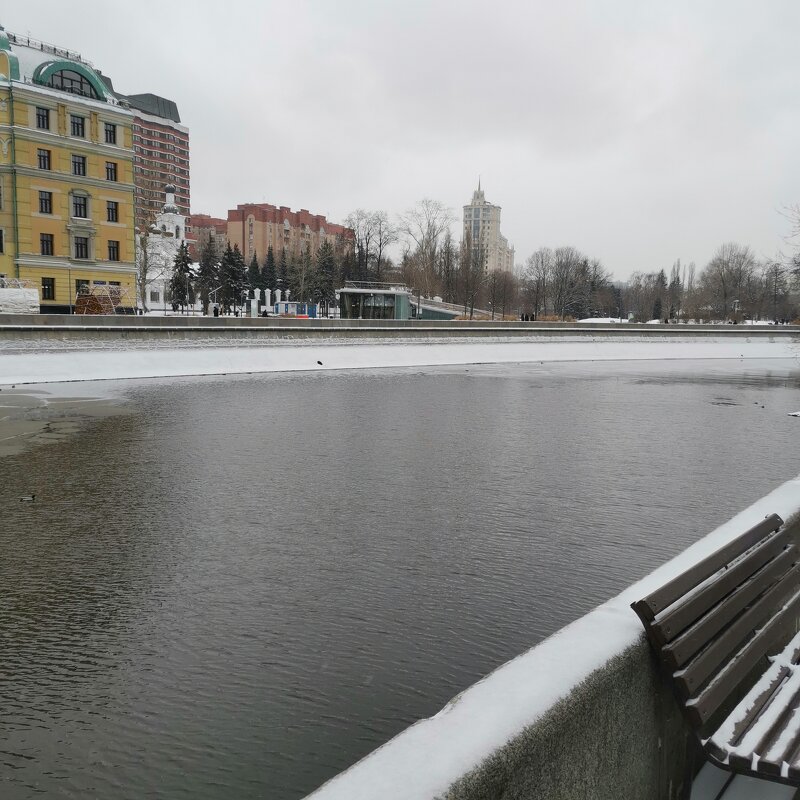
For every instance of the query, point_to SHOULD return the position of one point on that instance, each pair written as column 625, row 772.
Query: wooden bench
column 726, row 633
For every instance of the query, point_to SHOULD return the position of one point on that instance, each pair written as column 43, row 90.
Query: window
column 113, row 250
column 115, row 283
column 46, row 244
column 112, row 209
column 77, row 125
column 73, row 82
column 81, row 247
column 43, row 158
column 48, row 288
column 78, row 165
column 111, row 133
column 81, row 286
column 43, row 119
column 154, row 297
column 80, row 206
column 45, row 202
column 2, row 241
column 111, row 170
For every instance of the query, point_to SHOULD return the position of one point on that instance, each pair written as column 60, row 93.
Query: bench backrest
column 713, row 624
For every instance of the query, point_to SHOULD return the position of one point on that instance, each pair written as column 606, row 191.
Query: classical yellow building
column 66, row 176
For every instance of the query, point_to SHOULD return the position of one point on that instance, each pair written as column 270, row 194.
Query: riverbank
column 88, row 358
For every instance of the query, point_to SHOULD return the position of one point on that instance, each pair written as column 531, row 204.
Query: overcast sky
column 639, row 132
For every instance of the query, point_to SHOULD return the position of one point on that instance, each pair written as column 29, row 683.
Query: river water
column 239, row 586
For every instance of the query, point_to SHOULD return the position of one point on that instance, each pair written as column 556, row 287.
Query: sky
column 638, row 132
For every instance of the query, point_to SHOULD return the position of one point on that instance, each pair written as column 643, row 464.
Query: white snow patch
column 71, row 365
column 427, row 758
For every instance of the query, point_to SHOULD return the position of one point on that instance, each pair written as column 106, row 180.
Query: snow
column 606, row 320
column 795, row 414
column 64, row 362
column 492, row 712
column 19, row 301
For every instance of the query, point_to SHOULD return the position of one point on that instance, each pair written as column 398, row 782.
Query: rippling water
column 245, row 584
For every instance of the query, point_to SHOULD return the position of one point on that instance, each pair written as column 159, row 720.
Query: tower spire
column 479, row 182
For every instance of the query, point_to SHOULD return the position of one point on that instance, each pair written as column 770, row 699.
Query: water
column 243, row 585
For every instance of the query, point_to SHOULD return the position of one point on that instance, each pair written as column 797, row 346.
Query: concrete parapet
column 619, row 734
column 584, row 714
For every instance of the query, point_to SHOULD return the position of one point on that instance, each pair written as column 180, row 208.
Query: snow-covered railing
column 583, row 714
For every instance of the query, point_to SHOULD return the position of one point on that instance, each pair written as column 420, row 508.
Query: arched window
column 68, row 80
column 177, row 231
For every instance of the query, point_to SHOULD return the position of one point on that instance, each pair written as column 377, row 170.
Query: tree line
column 559, row 283
column 228, row 281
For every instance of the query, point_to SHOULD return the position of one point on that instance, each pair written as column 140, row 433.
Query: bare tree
column 537, row 277
column 362, row 224
column 385, row 235
column 566, row 288
column 727, row 276
column 424, row 227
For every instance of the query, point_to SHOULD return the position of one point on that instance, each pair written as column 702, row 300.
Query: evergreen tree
column 180, row 284
column 283, row 273
column 233, row 277
column 269, row 279
column 253, row 274
column 347, row 265
column 302, row 277
column 238, row 276
column 324, row 288
column 208, row 273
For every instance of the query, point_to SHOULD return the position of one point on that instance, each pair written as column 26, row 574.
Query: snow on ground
column 28, row 363
column 425, row 759
column 606, row 320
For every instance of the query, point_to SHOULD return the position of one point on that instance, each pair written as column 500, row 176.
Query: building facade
column 161, row 155
column 207, row 229
column 482, row 223
column 255, row 227
column 66, row 175
column 162, row 243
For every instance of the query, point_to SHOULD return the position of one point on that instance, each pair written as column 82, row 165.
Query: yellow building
column 66, row 176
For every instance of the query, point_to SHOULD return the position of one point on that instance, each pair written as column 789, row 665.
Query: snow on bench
column 726, row 632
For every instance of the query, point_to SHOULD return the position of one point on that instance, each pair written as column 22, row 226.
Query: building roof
column 34, row 62
column 154, row 105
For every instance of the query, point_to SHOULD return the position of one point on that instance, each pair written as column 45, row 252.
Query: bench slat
column 678, row 652
column 662, row 598
column 690, row 679
column 702, row 707
column 682, row 616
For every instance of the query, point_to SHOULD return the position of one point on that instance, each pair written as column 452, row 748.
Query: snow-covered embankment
column 74, row 363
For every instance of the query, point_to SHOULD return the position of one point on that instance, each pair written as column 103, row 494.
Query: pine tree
column 348, row 265
column 283, row 273
column 324, row 288
column 302, row 277
column 225, row 279
column 253, row 274
column 269, row 279
column 238, row 276
column 233, row 277
column 180, row 284
column 208, row 273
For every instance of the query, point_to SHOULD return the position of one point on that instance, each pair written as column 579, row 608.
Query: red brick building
column 205, row 229
column 256, row 226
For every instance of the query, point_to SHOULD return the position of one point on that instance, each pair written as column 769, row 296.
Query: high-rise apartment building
column 66, row 175
column 255, row 227
column 161, row 154
column 482, row 223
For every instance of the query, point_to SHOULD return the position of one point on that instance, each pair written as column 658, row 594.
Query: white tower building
column 482, row 221
column 163, row 241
